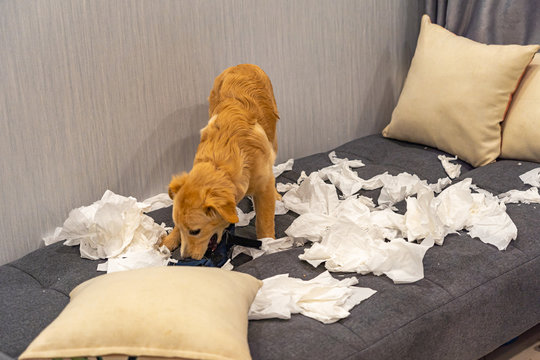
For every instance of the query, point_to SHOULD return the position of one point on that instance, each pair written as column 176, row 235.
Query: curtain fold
column 489, row 21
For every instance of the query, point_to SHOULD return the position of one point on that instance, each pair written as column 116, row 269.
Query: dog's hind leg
column 265, row 204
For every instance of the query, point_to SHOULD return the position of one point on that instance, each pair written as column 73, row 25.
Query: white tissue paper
column 349, row 235
column 280, row 168
column 351, row 163
column 529, row 196
column 268, row 246
column 323, row 298
column 285, row 187
column 531, row 177
column 157, row 202
column 394, row 188
column 453, row 170
column 303, row 199
column 114, row 227
column 244, row 218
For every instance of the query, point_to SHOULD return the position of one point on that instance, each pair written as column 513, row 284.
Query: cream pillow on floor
column 521, row 129
column 176, row 312
column 457, row 92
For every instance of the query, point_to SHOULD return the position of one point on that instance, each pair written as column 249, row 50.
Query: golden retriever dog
column 234, row 159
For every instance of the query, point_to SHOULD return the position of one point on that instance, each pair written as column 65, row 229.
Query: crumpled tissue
column 268, row 246
column 453, row 170
column 531, row 177
column 303, row 199
column 352, row 239
column 457, row 208
column 349, row 235
column 280, row 168
column 281, row 187
column 244, row 218
column 351, row 163
column 158, row 201
column 114, row 227
column 323, row 298
column 530, row 196
column 394, row 188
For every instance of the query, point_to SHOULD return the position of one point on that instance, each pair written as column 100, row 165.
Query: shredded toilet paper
column 453, row 170
column 285, row 187
column 529, row 196
column 244, row 218
column 115, row 227
column 158, row 201
column 280, row 168
column 350, row 236
column 531, row 177
column 269, row 246
column 350, row 163
column 323, row 298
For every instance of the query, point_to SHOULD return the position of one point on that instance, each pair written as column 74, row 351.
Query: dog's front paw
column 171, row 241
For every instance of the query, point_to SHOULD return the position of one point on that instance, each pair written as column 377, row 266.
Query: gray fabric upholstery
column 489, row 21
column 473, row 297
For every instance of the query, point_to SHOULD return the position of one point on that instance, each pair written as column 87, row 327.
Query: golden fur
column 234, row 159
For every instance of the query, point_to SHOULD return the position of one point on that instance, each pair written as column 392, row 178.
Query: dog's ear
column 221, row 202
column 176, row 183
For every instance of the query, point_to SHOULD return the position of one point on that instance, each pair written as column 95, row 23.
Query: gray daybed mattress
column 473, row 298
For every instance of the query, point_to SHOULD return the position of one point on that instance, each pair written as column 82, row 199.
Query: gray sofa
column 472, row 299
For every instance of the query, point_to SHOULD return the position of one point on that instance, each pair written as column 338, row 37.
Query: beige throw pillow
column 176, row 312
column 457, row 92
column 521, row 129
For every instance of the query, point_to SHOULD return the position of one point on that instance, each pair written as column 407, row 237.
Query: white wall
column 110, row 94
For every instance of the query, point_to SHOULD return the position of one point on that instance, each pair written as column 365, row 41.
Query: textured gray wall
column 110, row 94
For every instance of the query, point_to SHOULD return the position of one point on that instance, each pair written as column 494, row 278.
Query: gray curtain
column 489, row 21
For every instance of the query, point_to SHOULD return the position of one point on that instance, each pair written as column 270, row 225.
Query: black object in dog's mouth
column 212, row 244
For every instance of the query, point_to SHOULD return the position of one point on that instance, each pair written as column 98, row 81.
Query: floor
column 524, row 347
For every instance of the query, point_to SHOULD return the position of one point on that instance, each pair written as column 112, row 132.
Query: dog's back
column 249, row 85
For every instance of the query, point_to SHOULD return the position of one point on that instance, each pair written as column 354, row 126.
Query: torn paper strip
column 286, row 187
column 280, row 168
column 268, row 246
column 529, row 196
column 323, row 298
column 531, row 177
column 156, row 202
column 244, row 218
column 351, row 163
column 136, row 260
column 250, row 251
column 441, row 184
column 453, row 170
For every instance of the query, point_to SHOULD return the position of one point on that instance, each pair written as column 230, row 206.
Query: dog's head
column 202, row 210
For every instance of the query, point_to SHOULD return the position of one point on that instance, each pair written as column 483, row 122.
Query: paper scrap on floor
column 323, row 298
